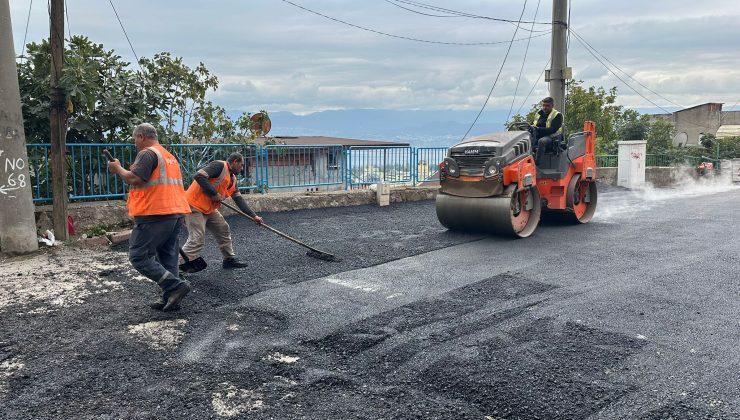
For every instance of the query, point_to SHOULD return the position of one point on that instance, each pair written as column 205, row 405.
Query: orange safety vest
column 163, row 194
column 222, row 184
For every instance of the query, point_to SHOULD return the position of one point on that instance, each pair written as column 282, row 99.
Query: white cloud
column 273, row 55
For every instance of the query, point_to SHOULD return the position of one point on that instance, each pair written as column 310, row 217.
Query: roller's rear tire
column 581, row 200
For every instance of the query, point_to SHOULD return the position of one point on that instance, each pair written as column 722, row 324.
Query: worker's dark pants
column 153, row 251
column 543, row 145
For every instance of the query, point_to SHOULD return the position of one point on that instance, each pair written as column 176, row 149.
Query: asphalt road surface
column 633, row 316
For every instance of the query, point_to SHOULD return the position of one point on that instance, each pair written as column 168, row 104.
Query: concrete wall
column 656, row 176
column 89, row 215
column 699, row 119
column 731, row 117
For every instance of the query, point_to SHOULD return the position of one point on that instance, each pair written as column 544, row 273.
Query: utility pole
column 17, row 221
column 559, row 71
column 58, row 117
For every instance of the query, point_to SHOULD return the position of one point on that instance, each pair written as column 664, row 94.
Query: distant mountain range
column 420, row 128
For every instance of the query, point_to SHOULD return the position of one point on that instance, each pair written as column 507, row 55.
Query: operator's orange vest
column 222, row 184
column 163, row 194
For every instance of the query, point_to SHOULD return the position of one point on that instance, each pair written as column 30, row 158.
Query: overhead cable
column 401, row 36
column 25, row 34
column 455, row 14
column 624, row 72
column 582, row 42
column 534, row 85
column 465, row 14
column 508, row 50
column 524, row 61
column 125, row 34
column 66, row 13
column 578, row 38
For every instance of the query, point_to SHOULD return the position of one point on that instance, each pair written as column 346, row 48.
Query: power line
column 583, row 43
column 567, row 48
column 124, row 33
column 420, row 13
column 524, row 61
column 25, row 35
column 728, row 110
column 465, row 14
column 625, row 73
column 66, row 13
column 400, row 36
column 534, row 85
column 455, row 14
column 508, row 50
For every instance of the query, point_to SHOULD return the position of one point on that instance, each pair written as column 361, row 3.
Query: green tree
column 588, row 104
column 724, row 148
column 597, row 105
column 175, row 94
column 104, row 97
column 708, row 141
column 632, row 125
column 211, row 121
column 107, row 98
column 659, row 137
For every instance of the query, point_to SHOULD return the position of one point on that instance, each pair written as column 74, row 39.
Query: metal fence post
column 265, row 169
column 414, row 162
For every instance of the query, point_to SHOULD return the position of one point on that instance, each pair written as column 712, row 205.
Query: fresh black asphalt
column 634, row 315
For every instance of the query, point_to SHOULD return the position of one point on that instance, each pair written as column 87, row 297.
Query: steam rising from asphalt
column 618, row 204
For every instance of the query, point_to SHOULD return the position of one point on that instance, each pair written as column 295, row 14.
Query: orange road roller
column 491, row 184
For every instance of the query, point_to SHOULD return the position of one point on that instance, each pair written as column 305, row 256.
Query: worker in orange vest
column 212, row 184
column 158, row 205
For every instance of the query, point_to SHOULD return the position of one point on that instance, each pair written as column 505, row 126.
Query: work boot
column 230, row 263
column 174, row 298
column 159, row 305
column 185, row 267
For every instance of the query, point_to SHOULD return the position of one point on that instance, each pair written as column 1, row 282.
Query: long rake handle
column 270, row 228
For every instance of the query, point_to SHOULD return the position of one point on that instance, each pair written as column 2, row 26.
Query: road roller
column 490, row 183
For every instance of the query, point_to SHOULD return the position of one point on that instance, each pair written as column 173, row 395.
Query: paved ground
column 632, row 316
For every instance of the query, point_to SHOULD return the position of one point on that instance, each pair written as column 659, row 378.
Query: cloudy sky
column 271, row 54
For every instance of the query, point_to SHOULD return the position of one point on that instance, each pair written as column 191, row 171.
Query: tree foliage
column 613, row 122
column 107, row 97
column 722, row 148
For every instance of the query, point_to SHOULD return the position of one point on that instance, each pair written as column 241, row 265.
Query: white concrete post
column 735, row 167
column 383, row 194
column 631, row 163
column 17, row 221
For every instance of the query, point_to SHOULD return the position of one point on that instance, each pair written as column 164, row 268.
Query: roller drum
column 500, row 215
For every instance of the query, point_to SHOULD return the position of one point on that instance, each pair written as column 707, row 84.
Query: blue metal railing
column 427, row 163
column 88, row 176
column 374, row 164
column 286, row 167
column 298, row 166
column 194, row 156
